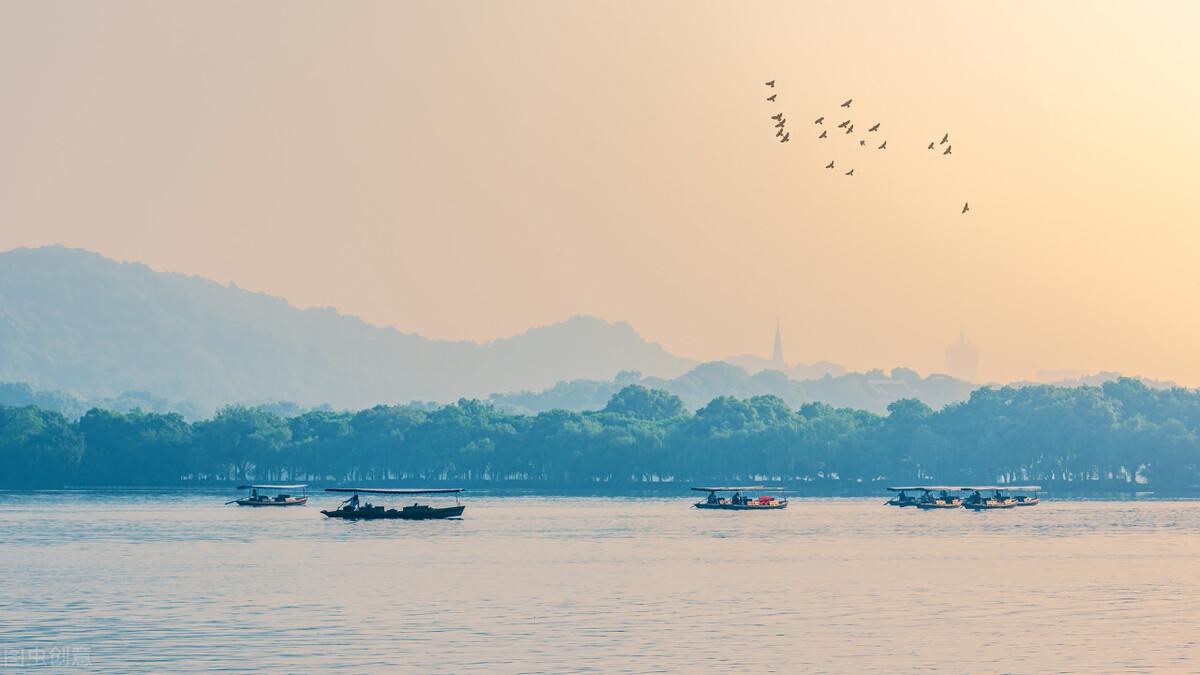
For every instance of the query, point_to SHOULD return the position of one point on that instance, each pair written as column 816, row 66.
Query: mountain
column 77, row 322
column 872, row 390
column 800, row 371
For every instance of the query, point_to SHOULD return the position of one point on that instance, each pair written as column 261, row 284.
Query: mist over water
column 147, row 582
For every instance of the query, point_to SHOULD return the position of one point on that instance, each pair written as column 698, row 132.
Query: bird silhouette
column 781, row 123
column 882, row 147
column 777, row 117
column 847, row 103
column 829, row 165
column 771, row 83
column 779, row 133
column 850, row 172
column 947, row 149
column 850, row 129
column 966, row 207
column 843, row 125
column 785, row 138
column 862, row 142
column 771, row 98
column 819, row 120
column 823, row 134
column 874, row 128
column 945, row 138
column 930, row 145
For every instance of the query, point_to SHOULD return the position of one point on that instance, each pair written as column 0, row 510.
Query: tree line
column 1120, row 432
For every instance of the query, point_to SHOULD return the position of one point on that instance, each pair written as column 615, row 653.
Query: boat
column 999, row 499
column 354, row 509
column 1027, row 500
column 738, row 501
column 903, row 498
column 941, row 500
column 282, row 496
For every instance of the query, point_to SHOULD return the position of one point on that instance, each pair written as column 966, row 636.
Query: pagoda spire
column 777, row 356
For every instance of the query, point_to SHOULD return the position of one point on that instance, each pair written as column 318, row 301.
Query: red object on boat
column 765, row 499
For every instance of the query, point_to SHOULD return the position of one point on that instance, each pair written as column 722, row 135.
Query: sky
column 468, row 170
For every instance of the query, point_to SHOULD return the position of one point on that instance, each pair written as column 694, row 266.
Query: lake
column 109, row 581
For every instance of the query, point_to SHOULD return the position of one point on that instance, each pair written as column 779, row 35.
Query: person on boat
column 737, row 498
column 713, row 498
column 253, row 493
column 352, row 503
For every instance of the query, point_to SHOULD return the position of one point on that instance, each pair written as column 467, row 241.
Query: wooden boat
column 280, row 498
column 738, row 502
column 999, row 500
column 903, row 499
column 942, row 500
column 352, row 509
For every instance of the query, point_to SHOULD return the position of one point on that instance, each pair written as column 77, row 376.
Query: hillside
column 77, row 322
column 871, row 391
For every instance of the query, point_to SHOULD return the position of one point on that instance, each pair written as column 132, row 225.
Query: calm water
column 124, row 582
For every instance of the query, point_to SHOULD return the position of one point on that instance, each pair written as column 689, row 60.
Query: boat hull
column 935, row 505
column 406, row 513
column 990, row 507
column 293, row 501
column 743, row 507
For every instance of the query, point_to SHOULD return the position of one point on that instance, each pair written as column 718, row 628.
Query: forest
column 1122, row 432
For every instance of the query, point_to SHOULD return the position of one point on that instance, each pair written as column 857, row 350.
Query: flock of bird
column 848, row 125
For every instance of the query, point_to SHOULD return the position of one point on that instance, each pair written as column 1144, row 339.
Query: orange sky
column 468, row 170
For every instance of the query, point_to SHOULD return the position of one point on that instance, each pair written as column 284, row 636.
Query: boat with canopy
column 939, row 497
column 903, row 498
column 739, row 501
column 355, row 508
column 999, row 499
column 261, row 495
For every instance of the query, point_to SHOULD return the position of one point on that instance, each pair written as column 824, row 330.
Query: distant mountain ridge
column 77, row 322
column 872, row 390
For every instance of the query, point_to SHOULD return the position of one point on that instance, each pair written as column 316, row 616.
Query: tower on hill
column 962, row 359
column 777, row 355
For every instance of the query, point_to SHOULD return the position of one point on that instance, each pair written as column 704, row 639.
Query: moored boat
column 259, row 495
column 355, row 509
column 738, row 501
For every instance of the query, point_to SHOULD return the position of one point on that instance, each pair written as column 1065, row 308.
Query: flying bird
column 874, row 128
column 771, row 98
column 966, row 207
column 930, row 145
column 777, row 117
column 779, row 133
column 850, row 129
column 785, row 138
column 850, row 172
column 847, row 103
column 843, row 125
column 829, row 165
column 771, row 83
column 945, row 138
column 823, row 134
column 862, row 142
column 947, row 149
column 882, row 147
column 781, row 123
column 819, row 120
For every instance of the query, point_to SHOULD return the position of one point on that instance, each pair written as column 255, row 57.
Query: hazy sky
column 468, row 170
